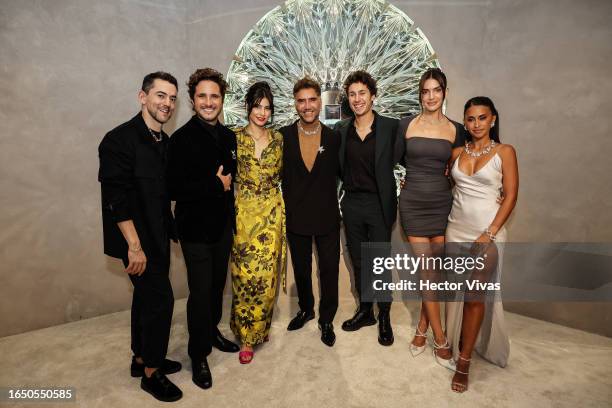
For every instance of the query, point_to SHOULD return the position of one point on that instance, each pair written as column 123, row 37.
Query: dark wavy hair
column 256, row 93
column 306, row 83
column 484, row 101
column 149, row 79
column 363, row 77
column 206, row 74
column 432, row 73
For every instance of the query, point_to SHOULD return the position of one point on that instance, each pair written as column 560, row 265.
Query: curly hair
column 362, row 77
column 206, row 74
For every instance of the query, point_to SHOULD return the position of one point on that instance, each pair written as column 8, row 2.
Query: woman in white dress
column 480, row 170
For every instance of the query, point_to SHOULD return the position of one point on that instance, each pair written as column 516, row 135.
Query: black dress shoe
column 362, row 318
column 202, row 377
column 221, row 343
column 385, row 332
column 167, row 367
column 300, row 320
column 328, row 337
column 159, row 386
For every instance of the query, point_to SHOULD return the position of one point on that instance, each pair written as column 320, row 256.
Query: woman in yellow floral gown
column 259, row 249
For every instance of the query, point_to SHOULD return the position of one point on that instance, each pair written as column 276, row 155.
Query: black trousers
column 364, row 222
column 152, row 306
column 207, row 266
column 328, row 251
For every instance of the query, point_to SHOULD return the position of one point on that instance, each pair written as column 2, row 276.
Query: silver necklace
column 155, row 137
column 309, row 132
column 482, row 152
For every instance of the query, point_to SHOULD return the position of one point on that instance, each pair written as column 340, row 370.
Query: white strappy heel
column 450, row 363
column 461, row 387
column 416, row 350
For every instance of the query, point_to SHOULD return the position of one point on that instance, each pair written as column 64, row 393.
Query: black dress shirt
column 359, row 175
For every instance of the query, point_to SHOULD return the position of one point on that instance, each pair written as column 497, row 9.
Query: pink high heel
column 245, row 356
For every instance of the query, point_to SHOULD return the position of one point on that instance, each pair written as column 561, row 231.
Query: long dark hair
column 484, row 101
column 432, row 73
column 256, row 93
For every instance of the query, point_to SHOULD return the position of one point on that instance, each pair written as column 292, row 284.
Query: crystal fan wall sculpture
column 326, row 40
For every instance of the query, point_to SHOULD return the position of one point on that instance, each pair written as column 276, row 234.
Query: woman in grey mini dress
column 424, row 145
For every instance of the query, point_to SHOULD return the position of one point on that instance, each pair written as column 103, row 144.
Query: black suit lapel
column 294, row 144
column 343, row 130
column 323, row 148
column 382, row 138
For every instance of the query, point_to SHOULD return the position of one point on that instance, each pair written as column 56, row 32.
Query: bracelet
column 491, row 236
column 137, row 249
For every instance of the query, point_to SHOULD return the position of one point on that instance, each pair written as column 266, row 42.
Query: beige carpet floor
column 550, row 366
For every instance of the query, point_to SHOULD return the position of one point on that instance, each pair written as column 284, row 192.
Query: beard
column 158, row 116
column 306, row 121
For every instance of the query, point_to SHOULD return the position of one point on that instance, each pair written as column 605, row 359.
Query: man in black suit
column 138, row 224
column 201, row 165
column 310, row 170
column 369, row 206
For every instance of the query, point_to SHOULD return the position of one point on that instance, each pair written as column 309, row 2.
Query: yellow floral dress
column 258, row 256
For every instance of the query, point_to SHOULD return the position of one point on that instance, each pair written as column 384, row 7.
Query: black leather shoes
column 159, row 386
column 385, row 332
column 202, row 377
column 300, row 320
column 221, row 343
column 167, row 367
column 362, row 318
column 328, row 337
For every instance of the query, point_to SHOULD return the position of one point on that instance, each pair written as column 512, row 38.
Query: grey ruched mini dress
column 426, row 199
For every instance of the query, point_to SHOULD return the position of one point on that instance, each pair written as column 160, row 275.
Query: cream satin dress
column 474, row 208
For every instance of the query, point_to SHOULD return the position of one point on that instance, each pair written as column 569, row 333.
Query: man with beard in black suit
column 201, row 166
column 310, row 171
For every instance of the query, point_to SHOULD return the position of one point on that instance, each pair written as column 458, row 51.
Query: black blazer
column 311, row 201
column 203, row 208
column 386, row 130
column 133, row 183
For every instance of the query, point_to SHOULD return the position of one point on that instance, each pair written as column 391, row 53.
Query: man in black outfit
column 201, row 165
column 370, row 204
column 310, row 171
column 137, row 223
